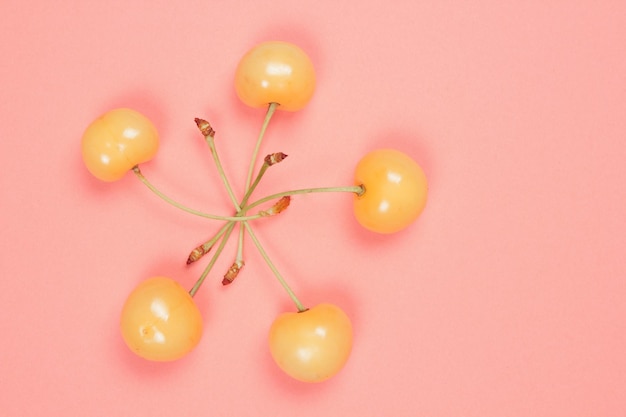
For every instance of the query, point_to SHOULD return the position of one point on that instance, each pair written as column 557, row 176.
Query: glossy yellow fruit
column 160, row 320
column 395, row 191
column 117, row 141
column 275, row 72
column 313, row 345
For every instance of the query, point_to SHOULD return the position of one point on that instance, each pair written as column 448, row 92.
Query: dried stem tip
column 275, row 158
column 196, row 254
column 282, row 204
column 205, row 127
column 278, row 207
column 232, row 272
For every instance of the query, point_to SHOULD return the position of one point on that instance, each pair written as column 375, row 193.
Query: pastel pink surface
column 505, row 298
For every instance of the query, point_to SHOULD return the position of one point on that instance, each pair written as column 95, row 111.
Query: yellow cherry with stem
column 311, row 345
column 117, row 141
column 395, row 191
column 275, row 72
column 160, row 321
column 272, row 75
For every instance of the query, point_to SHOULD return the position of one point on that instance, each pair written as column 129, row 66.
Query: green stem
column 167, row 199
column 203, row 249
column 239, row 255
column 271, row 109
column 357, row 189
column 242, row 212
column 211, row 142
column 269, row 262
column 209, row 243
column 216, row 255
column 251, row 189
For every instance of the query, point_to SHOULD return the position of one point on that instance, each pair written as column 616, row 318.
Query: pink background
column 506, row 298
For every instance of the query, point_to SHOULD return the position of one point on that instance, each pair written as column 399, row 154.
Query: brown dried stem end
column 274, row 158
column 205, row 127
column 277, row 208
column 197, row 253
column 232, row 272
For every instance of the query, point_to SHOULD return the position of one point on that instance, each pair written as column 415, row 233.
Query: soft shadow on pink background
column 506, row 298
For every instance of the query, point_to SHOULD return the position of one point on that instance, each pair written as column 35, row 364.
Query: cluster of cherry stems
column 159, row 320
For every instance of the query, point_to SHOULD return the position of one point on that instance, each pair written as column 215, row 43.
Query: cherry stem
column 239, row 254
column 269, row 262
column 271, row 109
column 269, row 160
column 176, row 204
column 251, row 189
column 356, row 189
column 216, row 255
column 203, row 249
column 211, row 142
column 240, row 214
